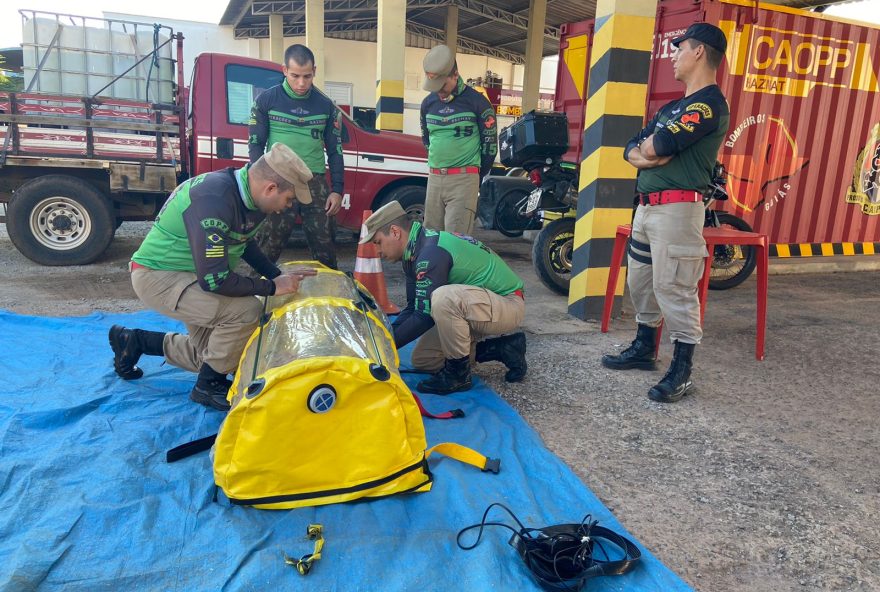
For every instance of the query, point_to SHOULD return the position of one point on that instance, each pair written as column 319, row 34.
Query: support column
column 276, row 38
column 391, row 49
column 315, row 36
column 534, row 54
column 452, row 27
column 616, row 95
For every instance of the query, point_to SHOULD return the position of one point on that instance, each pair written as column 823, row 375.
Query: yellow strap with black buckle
column 466, row 455
column 314, row 532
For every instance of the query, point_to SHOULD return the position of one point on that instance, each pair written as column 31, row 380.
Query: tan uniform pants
column 463, row 315
column 218, row 326
column 671, row 237
column 451, row 202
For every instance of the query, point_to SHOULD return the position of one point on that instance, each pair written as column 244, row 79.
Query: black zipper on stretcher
column 275, row 499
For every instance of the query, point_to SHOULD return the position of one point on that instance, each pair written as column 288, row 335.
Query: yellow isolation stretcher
column 319, row 413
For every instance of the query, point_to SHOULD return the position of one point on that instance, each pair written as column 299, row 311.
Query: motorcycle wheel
column 552, row 252
column 509, row 218
column 732, row 264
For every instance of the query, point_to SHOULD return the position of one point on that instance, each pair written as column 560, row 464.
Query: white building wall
column 346, row 61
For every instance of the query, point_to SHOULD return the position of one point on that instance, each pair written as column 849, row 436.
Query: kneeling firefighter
column 458, row 292
column 184, row 269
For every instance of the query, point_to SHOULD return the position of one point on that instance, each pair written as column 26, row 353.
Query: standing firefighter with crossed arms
column 675, row 155
column 297, row 115
column 461, row 135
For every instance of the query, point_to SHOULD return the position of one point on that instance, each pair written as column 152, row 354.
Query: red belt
column 138, row 266
column 456, row 171
column 669, row 196
column 520, row 294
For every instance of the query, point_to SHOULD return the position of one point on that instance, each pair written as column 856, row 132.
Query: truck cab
column 379, row 165
column 73, row 167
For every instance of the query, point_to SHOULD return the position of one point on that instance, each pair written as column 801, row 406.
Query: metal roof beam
column 285, row 7
column 243, row 12
column 466, row 44
column 502, row 16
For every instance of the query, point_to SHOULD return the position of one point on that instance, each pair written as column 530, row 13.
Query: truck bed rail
column 46, row 125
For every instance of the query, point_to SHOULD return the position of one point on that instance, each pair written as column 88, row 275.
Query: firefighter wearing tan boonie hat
column 462, row 301
column 461, row 135
column 184, row 269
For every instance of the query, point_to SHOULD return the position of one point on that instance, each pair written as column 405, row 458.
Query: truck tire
column 411, row 197
column 60, row 220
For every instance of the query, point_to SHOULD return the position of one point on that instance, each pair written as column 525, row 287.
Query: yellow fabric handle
column 465, row 455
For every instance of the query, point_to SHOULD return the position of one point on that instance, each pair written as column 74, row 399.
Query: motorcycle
column 553, row 204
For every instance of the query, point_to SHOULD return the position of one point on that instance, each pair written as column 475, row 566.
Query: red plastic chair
column 713, row 236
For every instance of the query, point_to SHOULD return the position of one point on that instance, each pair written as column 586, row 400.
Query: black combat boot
column 640, row 353
column 510, row 350
column 211, row 389
column 129, row 345
column 677, row 382
column 453, row 377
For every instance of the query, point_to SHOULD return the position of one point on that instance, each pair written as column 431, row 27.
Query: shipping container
column 803, row 148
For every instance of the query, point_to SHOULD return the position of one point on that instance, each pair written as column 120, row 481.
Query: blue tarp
column 87, row 501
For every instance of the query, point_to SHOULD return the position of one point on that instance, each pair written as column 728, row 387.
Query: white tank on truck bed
column 75, row 55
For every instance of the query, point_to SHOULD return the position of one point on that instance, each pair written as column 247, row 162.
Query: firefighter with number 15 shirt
column 299, row 116
column 461, row 135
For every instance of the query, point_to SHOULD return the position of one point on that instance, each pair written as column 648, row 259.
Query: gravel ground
column 766, row 479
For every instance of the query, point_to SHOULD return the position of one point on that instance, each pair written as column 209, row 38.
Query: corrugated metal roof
column 488, row 27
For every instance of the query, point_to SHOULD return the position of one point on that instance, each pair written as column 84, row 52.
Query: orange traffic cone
column 368, row 271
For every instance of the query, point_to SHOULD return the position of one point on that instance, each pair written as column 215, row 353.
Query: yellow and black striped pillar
column 391, row 49
column 617, row 89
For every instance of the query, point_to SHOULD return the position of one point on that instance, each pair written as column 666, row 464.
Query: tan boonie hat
column 387, row 213
column 289, row 166
column 438, row 65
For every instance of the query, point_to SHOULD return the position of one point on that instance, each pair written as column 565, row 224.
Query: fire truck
column 105, row 130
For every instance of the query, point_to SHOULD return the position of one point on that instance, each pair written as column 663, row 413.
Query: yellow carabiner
column 314, row 532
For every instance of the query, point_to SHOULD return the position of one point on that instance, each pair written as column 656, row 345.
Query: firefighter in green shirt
column 298, row 115
column 184, row 269
column 461, row 135
column 462, row 299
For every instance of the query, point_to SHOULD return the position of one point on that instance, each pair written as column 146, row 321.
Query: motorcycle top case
column 312, row 421
column 536, row 135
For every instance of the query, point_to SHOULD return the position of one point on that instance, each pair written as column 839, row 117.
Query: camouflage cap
column 387, row 213
column 289, row 166
column 438, row 65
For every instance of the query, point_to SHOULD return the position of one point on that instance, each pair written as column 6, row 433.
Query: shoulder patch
column 215, row 223
column 703, row 108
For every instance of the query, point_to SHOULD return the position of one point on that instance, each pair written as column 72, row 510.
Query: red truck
column 73, row 167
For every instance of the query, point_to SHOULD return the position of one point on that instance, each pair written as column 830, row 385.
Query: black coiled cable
column 563, row 557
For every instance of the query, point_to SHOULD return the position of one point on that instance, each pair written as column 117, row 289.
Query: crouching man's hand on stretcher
column 288, row 282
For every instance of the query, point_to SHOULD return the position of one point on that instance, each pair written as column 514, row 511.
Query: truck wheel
column 60, row 220
column 411, row 197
